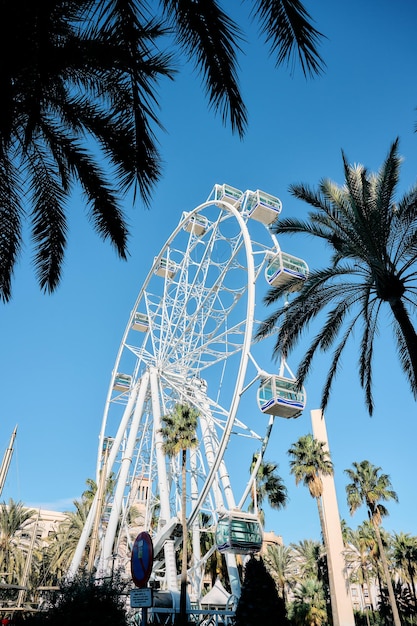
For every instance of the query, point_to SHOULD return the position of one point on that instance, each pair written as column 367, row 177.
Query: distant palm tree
column 64, row 540
column 215, row 564
column 16, row 528
column 280, row 562
column 307, row 556
column 268, row 485
column 404, row 554
column 179, row 434
column 360, row 566
column 309, row 606
column 369, row 487
column 310, row 461
column 371, row 235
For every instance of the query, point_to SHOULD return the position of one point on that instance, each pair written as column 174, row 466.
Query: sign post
column 141, row 562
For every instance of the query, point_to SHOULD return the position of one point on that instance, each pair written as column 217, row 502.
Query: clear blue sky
column 57, row 352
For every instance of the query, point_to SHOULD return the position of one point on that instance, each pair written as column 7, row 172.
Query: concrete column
column 343, row 611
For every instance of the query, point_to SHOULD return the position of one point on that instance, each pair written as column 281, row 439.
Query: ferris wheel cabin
column 196, row 224
column 228, row 193
column 165, row 269
column 262, row 207
column 122, row 382
column 239, row 533
column 281, row 396
column 141, row 322
column 284, row 268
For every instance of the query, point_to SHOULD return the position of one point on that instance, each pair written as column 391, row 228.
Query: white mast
column 6, row 460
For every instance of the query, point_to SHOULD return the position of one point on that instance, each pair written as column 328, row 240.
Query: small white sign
column 141, row 598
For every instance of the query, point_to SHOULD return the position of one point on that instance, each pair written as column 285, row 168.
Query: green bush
column 84, row 602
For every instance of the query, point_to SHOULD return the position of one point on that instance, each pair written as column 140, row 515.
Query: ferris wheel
column 189, row 340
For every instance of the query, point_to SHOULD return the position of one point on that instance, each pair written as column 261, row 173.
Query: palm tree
column 68, row 103
column 63, row 542
column 310, row 461
column 404, row 548
column 16, row 526
column 369, row 487
column 79, row 82
column 215, row 564
column 280, row 562
column 211, row 39
column 267, row 485
column 359, row 563
column 371, row 236
column 179, row 434
column 307, row 556
column 309, row 606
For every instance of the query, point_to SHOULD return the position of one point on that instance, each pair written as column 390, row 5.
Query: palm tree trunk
column 329, row 563
column 412, row 586
column 183, row 588
column 388, row 581
column 408, row 332
column 365, row 608
column 371, row 599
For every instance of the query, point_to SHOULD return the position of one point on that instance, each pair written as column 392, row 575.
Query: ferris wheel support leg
column 82, row 543
column 122, row 478
column 196, row 577
column 210, row 442
column 165, row 512
column 233, row 574
column 79, row 551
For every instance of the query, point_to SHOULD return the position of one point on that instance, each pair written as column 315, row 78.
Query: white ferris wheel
column 189, row 340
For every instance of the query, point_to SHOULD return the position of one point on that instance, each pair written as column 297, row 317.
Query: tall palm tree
column 371, row 234
column 404, row 549
column 79, row 82
column 179, row 434
column 310, row 461
column 370, row 487
column 268, row 485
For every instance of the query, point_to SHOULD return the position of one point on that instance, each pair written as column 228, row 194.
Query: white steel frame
column 201, row 320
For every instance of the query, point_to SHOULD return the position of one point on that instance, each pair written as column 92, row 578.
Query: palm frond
column 404, row 357
column 49, row 226
column 334, row 366
column 210, row 39
column 370, row 316
column 11, row 214
column 289, row 30
column 387, row 180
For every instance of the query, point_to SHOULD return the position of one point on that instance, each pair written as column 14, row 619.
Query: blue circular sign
column 141, row 559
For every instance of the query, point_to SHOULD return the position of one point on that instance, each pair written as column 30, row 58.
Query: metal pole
column 6, row 460
column 100, row 498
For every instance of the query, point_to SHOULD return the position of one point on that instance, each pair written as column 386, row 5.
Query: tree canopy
column 79, row 81
column 371, row 234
